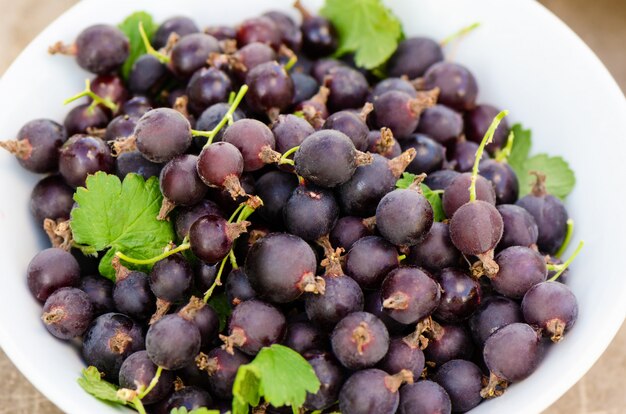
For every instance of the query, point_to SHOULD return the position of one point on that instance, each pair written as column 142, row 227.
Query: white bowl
column 525, row 60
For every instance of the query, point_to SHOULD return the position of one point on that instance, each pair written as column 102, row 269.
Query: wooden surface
column 601, row 23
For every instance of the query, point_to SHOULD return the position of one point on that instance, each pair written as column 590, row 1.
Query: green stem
column 503, row 154
column 481, row 148
column 284, row 159
column 149, row 49
column 437, row 191
column 561, row 268
column 292, row 61
column 464, row 31
column 401, row 257
column 227, row 118
column 236, row 212
column 231, row 97
column 128, row 259
column 152, row 384
column 232, row 258
column 138, row 405
column 568, row 238
column 96, row 99
column 218, row 279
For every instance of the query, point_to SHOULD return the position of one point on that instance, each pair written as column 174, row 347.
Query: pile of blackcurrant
column 394, row 309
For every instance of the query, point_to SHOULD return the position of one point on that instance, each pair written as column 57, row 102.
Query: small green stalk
column 463, row 32
column 503, row 154
column 561, row 268
column 228, row 117
column 481, row 148
column 284, row 159
column 138, row 405
column 218, row 279
column 152, row 384
column 149, row 49
column 568, row 238
column 401, row 257
column 292, row 61
column 96, row 99
column 128, row 259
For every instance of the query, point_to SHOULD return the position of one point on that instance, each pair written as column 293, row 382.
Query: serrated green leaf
column 560, row 178
column 92, row 382
column 219, row 302
column 120, row 217
column 365, row 27
column 433, row 197
column 130, row 27
column 278, row 374
column 521, row 148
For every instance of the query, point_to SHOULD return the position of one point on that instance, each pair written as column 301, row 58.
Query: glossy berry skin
column 250, row 56
column 504, row 180
column 179, row 181
column 100, row 293
column 448, row 342
column 520, row 269
column 51, row 198
column 360, row 340
column 409, row 294
column 326, row 158
column 277, row 264
column 138, row 370
column 424, row 397
column 435, row 251
column 404, row 217
column 275, row 188
column 101, row 48
column 211, row 238
column 250, row 137
column 374, row 305
column 41, row 139
column 260, row 29
column 122, row 126
column 391, row 84
column 477, row 121
column 111, row 87
column 367, row 391
column 456, row 194
column 495, row 313
column 258, row 324
column 401, row 355
column 186, row 216
column 180, row 25
column 441, row 123
column 439, row 180
column 520, row 227
column 460, row 298
column 171, row 279
column 369, row 260
column 191, row 52
column 457, row 86
column 476, row 228
column 341, row 297
column 82, row 155
column 310, row 212
column 67, row 313
column 289, row 30
column 463, row 155
column 172, row 342
column 305, row 86
column 162, row 134
column 222, row 370
column 132, row 296
column 350, row 124
column 110, row 339
column 551, row 217
column 393, row 109
column 189, row 397
column 331, row 377
column 206, row 87
column 304, row 336
column 205, row 318
column 319, row 36
column 81, row 118
column 348, row 88
column 413, row 57
column 429, row 155
column 347, row 231
column 289, row 131
column 137, row 106
column 462, row 381
column 49, row 270
column 146, row 75
column 218, row 163
column 512, row 353
column 552, row 307
column 271, row 88
column 322, row 67
column 209, row 119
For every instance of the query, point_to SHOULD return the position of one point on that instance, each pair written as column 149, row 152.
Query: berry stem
column 284, row 159
column 96, row 99
column 461, row 33
column 401, row 257
column 210, row 135
column 561, row 268
column 128, row 259
column 503, row 154
column 138, row 405
column 481, row 148
column 218, row 279
column 152, row 384
column 149, row 49
column 568, row 238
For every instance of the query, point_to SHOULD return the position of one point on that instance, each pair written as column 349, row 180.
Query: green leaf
column 433, row 197
column 521, row 148
column 278, row 374
column 120, row 217
column 202, row 410
column 219, row 302
column 365, row 27
column 92, row 382
column 130, row 27
column 560, row 178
